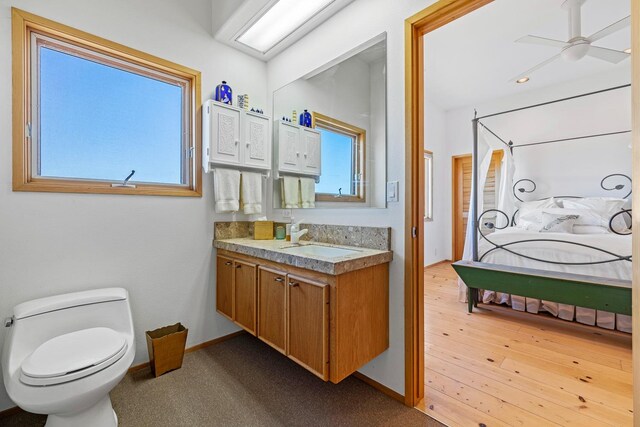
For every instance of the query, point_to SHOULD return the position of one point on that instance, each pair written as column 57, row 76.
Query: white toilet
column 63, row 355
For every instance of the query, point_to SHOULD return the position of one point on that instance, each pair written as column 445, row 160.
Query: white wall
column 437, row 234
column 159, row 248
column 356, row 24
column 377, row 154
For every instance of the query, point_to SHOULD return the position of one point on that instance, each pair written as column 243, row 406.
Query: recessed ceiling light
column 628, row 50
column 522, row 80
column 282, row 19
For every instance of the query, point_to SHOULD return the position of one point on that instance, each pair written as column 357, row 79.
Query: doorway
column 461, row 195
column 437, row 15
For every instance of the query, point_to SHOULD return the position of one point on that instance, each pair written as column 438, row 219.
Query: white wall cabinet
column 298, row 149
column 234, row 137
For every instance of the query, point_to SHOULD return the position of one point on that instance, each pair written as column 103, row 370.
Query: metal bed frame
column 611, row 295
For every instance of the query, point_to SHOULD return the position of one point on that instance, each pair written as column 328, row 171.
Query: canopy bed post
column 472, row 293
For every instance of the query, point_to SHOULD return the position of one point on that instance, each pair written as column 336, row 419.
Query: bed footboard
column 599, row 293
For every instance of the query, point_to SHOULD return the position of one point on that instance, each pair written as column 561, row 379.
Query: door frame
column 437, row 15
column 454, row 202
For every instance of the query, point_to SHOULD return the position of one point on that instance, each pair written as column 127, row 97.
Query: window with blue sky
column 337, row 163
column 100, row 122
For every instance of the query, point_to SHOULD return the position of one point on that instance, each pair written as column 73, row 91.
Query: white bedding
column 561, row 252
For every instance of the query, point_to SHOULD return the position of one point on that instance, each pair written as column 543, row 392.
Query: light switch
column 392, row 191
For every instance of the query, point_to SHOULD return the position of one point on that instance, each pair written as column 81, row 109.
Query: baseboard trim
column 444, row 261
column 380, row 387
column 196, row 347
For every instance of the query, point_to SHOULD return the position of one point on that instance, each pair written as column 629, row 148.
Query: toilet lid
column 74, row 355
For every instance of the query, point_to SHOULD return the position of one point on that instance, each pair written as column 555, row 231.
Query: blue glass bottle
column 305, row 119
column 224, row 93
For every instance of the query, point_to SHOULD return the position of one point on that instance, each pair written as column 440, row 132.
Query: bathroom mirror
column 332, row 154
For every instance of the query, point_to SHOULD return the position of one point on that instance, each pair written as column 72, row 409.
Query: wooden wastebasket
column 166, row 348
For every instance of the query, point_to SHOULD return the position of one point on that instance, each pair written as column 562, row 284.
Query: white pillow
column 605, row 207
column 589, row 229
column 558, row 223
column 530, row 213
column 585, row 216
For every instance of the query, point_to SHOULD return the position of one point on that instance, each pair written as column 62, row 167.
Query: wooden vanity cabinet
column 236, row 291
column 272, row 300
column 330, row 324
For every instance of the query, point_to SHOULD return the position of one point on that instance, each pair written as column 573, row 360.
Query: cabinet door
column 244, row 292
column 257, row 141
column 288, row 147
column 271, row 308
column 224, row 286
column 308, row 324
column 225, row 134
column 311, row 144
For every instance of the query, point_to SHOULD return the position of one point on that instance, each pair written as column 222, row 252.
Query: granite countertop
column 275, row 250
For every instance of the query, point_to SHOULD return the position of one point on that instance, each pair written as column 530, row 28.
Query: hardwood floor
column 499, row 367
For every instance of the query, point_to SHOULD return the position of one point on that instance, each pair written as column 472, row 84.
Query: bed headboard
column 618, row 182
column 611, row 182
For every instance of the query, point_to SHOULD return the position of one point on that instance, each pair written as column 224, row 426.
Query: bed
column 528, row 249
column 567, row 255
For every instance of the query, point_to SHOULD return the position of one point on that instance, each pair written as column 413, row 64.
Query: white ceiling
column 471, row 60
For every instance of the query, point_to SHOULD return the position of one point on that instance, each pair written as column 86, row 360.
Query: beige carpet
column 243, row 382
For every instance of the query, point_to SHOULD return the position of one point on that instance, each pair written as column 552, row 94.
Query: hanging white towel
column 308, row 192
column 251, row 192
column 226, row 190
column 290, row 192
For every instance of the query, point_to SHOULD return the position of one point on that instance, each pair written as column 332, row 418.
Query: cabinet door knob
column 238, row 266
column 294, row 284
column 237, row 142
column 227, row 263
column 279, row 279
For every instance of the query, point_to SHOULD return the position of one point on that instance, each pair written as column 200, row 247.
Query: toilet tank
column 37, row 321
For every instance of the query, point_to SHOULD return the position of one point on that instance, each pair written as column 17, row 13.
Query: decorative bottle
column 224, row 93
column 305, row 119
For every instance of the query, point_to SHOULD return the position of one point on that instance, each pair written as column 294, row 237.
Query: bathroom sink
column 321, row 251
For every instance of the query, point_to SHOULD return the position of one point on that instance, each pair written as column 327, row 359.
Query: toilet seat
column 72, row 356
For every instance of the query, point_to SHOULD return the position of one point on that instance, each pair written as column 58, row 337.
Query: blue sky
column 336, row 163
column 100, row 122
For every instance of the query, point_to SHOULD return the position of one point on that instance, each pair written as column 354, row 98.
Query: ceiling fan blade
column 616, row 26
column 543, row 41
column 609, row 55
column 537, row 67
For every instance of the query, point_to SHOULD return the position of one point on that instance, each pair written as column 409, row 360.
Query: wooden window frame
column 25, row 24
column 359, row 136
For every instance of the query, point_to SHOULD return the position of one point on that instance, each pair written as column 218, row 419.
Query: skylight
column 282, row 19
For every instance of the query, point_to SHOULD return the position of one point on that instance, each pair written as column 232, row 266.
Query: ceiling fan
column 578, row 46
